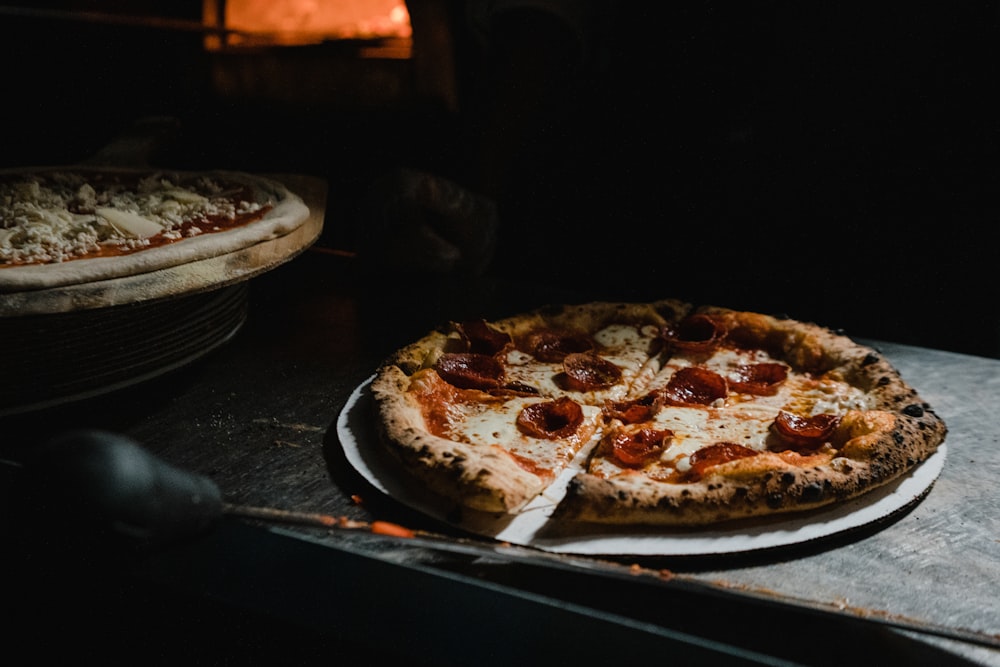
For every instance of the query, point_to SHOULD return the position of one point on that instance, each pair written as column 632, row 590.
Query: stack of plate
column 60, row 357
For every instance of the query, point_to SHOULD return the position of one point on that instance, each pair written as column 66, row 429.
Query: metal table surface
column 258, row 416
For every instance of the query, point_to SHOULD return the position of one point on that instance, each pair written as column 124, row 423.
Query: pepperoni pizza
column 664, row 414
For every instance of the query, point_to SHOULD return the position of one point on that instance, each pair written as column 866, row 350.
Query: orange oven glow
column 245, row 24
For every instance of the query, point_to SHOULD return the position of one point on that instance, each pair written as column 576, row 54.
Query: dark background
column 833, row 162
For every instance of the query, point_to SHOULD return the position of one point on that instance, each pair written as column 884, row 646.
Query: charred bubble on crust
column 883, row 381
column 775, row 500
column 788, row 478
column 813, row 492
column 667, row 503
column 870, row 358
column 668, row 312
column 914, row 410
column 408, row 366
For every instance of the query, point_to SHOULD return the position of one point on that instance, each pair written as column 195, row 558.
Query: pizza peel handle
column 106, row 486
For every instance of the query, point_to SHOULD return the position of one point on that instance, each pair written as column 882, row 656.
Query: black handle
column 106, row 485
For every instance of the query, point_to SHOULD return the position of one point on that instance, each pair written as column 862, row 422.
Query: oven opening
column 353, row 54
column 379, row 28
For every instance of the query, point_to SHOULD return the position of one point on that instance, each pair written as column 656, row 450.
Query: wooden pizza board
column 190, row 278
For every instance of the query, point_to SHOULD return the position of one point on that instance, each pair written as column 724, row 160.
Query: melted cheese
column 799, row 393
column 495, row 424
column 623, row 345
column 741, row 419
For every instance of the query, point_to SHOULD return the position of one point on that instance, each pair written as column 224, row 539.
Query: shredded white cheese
column 56, row 217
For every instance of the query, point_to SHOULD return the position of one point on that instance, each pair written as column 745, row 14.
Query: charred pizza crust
column 891, row 431
column 482, row 478
column 282, row 213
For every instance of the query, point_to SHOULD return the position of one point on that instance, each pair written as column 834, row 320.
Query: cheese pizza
column 66, row 226
column 665, row 413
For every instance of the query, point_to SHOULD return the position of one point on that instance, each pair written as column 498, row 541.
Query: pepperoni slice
column 470, row 370
column 758, row 379
column 694, row 385
column 482, row 338
column 635, row 410
column 805, row 431
column 636, row 448
column 695, row 333
column 559, row 418
column 550, row 345
column 713, row 455
column 585, row 371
